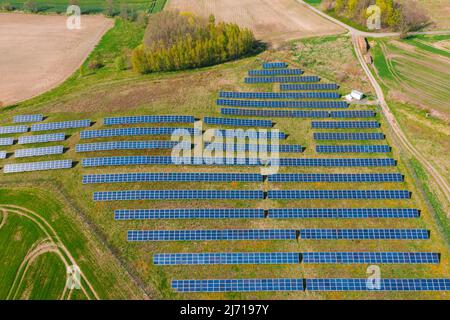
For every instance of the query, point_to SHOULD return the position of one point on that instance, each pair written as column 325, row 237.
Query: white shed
column 357, row 95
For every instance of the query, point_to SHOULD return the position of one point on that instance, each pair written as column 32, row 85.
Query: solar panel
column 345, row 124
column 127, row 145
column 342, row 213
column 338, row 284
column 339, row 194
column 281, row 104
column 309, row 86
column 61, row 125
column 370, row 257
column 274, row 65
column 42, row 138
column 28, row 118
column 122, row 132
column 226, row 258
column 324, row 177
column 36, row 152
column 3, row 154
column 279, row 95
column 238, row 122
column 212, row 235
column 274, row 113
column 352, row 114
column 37, row 166
column 13, row 129
column 145, row 214
column 229, row 133
column 148, row 119
column 6, row 141
column 348, row 136
column 364, row 234
column 294, row 79
column 238, row 285
column 353, row 149
column 171, row 176
column 279, row 72
column 283, row 148
column 176, row 194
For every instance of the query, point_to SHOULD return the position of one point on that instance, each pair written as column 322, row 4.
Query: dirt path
column 38, row 52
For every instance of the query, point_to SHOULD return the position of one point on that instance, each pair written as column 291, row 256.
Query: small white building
column 357, row 95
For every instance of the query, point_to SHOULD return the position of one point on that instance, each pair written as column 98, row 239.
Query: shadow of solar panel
column 37, row 166
column 279, row 72
column 281, row 104
column 364, row 234
column 28, row 118
column 6, row 141
column 171, row 176
column 371, row 257
column 42, row 138
column 340, row 284
column 13, row 129
column 122, row 132
column 352, row 114
column 284, row 148
column 348, row 136
column 144, row 214
column 279, row 95
column 274, row 113
column 212, row 235
column 36, row 152
column 238, row 122
column 322, row 177
column 282, row 79
column 61, row 125
column 309, row 86
column 353, row 149
column 3, row 154
column 128, row 145
column 148, row 119
column 252, row 134
column 226, row 258
column 338, row 194
column 345, row 124
column 342, row 213
column 274, row 65
column 238, row 285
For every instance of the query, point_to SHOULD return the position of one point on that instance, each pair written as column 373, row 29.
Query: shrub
column 7, row 7
column 95, row 63
column 31, row 6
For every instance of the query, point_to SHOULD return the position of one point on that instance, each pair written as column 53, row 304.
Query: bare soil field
column 438, row 11
column 273, row 21
column 38, row 52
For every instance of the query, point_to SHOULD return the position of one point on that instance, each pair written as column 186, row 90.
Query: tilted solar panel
column 345, row 124
column 274, row 65
column 339, row 194
column 144, row 214
column 6, row 141
column 342, row 213
column 383, row 284
column 353, row 149
column 252, row 134
column 42, row 138
column 3, row 154
column 323, row 177
column 122, row 132
column 238, row 285
column 352, row 114
column 36, row 152
column 279, row 72
column 370, row 257
column 61, row 125
column 28, row 118
column 309, row 86
column 148, row 119
column 348, row 136
column 279, row 95
column 364, row 234
column 284, row 148
column 281, row 104
column 127, row 145
column 238, row 122
column 37, row 166
column 294, row 79
column 13, row 129
column 274, row 113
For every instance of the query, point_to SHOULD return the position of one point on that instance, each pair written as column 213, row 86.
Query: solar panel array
column 279, row 95
column 279, row 72
column 238, row 285
column 122, row 132
column 176, row 194
column 13, row 129
column 284, row 148
column 298, row 113
column 324, row 177
column 336, row 284
column 42, row 138
column 342, row 213
column 37, row 166
column 211, row 235
column 348, row 136
column 226, row 258
column 238, row 122
column 352, row 114
column 144, row 214
column 345, row 124
column 281, row 104
column 353, row 149
column 309, row 86
column 3, row 154
column 28, row 118
column 371, row 257
column 172, row 176
column 282, row 79
column 252, row 134
column 36, row 152
column 6, row 141
column 127, row 145
column 339, row 194
column 364, row 234
column 61, row 125
column 274, row 65
column 148, row 119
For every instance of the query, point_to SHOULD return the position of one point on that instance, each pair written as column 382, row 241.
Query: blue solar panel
column 342, row 213
column 176, row 194
column 345, row 124
column 6, row 141
column 281, row 104
column 212, row 235
column 284, row 148
column 127, row 145
column 364, row 234
column 61, row 125
column 294, row 79
column 348, row 136
column 28, row 118
column 352, row 114
column 3, row 154
column 37, row 166
column 238, row 285
column 226, row 258
column 324, row 177
column 13, row 129
column 274, row 65
column 229, row 133
column 339, row 194
column 279, row 95
column 353, row 149
column 274, row 113
column 172, row 176
column 42, row 138
column 370, row 257
column 121, row 132
column 279, row 72
column 238, row 122
column 309, row 86
column 146, row 214
column 148, row 119
column 336, row 284
column 36, row 152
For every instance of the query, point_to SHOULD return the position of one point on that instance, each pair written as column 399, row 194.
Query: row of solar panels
column 148, row 119
column 277, row 234
column 241, row 177
column 283, row 148
column 348, row 136
column 46, row 126
column 274, row 65
column 298, row 113
column 345, row 124
column 353, row 149
column 28, row 118
column 286, row 213
column 238, row 122
column 126, row 195
column 309, row 86
column 292, row 79
column 282, row 104
column 13, row 129
column 277, row 72
column 279, row 95
column 329, row 284
column 295, row 258
column 285, row 162
column 37, row 166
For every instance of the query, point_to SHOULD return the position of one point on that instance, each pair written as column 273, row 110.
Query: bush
column 7, row 7
column 95, row 63
column 31, row 6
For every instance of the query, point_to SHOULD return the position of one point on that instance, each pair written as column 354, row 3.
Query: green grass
column 314, row 2
column 425, row 43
